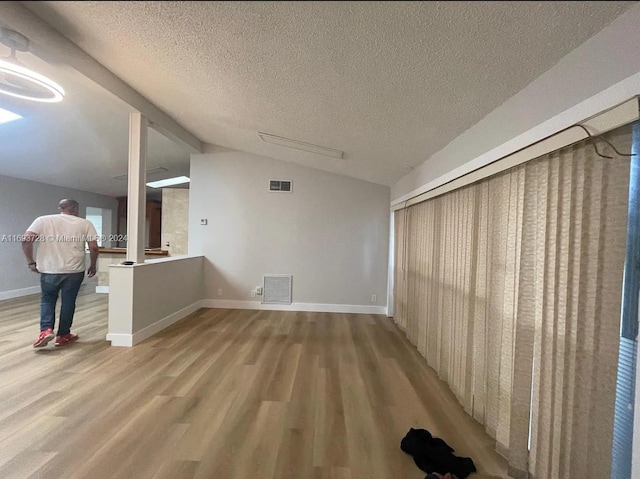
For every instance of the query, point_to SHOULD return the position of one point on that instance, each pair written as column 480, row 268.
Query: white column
column 137, row 196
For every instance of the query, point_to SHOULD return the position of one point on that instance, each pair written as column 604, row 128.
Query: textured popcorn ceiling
column 389, row 83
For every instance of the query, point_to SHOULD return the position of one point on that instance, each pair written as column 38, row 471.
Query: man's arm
column 27, row 247
column 93, row 256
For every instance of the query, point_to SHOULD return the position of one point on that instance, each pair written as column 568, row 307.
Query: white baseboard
column 129, row 340
column 102, row 289
column 120, row 339
column 319, row 307
column 18, row 293
column 165, row 322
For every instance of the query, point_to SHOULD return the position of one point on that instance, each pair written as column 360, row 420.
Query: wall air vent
column 280, row 186
column 277, row 289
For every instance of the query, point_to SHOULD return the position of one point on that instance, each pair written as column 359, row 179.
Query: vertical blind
column 511, row 290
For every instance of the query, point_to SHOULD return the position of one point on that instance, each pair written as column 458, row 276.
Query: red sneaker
column 66, row 339
column 44, row 338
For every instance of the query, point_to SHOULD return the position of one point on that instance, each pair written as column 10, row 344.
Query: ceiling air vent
column 150, row 172
column 277, row 289
column 280, row 186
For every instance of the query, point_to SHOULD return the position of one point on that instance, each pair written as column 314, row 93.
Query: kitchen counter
column 123, row 251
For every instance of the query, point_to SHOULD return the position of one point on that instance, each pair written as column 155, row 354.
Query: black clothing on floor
column 432, row 454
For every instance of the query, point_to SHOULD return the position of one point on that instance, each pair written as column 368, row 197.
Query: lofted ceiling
column 388, row 83
column 81, row 142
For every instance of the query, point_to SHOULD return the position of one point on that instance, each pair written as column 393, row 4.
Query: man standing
column 61, row 261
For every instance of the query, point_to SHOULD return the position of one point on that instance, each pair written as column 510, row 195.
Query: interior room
column 335, row 239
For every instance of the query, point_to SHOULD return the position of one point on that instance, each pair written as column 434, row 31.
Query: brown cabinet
column 153, row 217
column 121, row 224
column 154, row 220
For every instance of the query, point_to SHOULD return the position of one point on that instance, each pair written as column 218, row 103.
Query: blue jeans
column 51, row 285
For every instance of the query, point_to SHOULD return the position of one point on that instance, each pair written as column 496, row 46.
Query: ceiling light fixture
column 169, row 182
column 301, row 145
column 17, row 80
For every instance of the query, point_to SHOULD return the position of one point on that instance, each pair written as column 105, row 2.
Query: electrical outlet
column 374, row 298
column 253, row 293
column 219, row 291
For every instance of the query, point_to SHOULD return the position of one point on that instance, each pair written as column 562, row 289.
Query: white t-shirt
column 61, row 242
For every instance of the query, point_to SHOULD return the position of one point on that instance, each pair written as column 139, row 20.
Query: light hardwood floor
column 223, row 394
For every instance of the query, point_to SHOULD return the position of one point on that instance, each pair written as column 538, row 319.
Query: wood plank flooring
column 223, row 394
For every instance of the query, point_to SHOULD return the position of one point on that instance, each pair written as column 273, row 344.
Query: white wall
column 599, row 74
column 22, row 201
column 331, row 233
column 145, row 298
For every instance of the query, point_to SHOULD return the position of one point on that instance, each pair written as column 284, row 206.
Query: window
column 95, row 216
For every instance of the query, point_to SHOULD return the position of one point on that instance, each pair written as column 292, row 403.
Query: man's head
column 69, row 207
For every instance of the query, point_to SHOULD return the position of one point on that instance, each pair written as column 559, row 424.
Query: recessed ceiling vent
column 277, row 289
column 150, row 172
column 301, row 145
column 280, row 186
